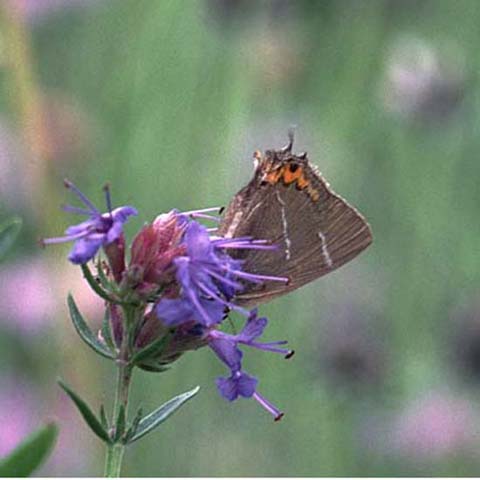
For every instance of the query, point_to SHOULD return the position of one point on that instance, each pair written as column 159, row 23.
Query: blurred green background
column 167, row 100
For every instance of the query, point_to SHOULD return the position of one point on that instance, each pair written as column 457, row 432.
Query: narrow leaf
column 120, row 425
column 95, row 286
column 153, row 368
column 134, row 426
column 152, row 349
column 84, row 331
column 86, row 413
column 104, row 281
column 30, row 454
column 9, row 231
column 154, row 419
column 103, row 418
column 107, row 330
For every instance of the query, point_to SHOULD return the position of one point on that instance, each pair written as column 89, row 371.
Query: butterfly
column 289, row 204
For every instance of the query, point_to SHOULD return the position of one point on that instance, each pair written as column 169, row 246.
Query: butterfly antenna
column 291, row 137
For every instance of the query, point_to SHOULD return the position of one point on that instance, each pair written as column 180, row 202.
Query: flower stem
column 113, row 460
column 115, row 451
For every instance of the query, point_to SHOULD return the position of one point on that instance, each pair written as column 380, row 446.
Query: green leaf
column 95, row 286
column 158, row 416
column 86, row 413
column 152, row 349
column 134, row 426
column 153, row 368
column 84, row 331
column 103, row 417
column 107, row 331
column 9, row 231
column 30, row 454
column 120, row 425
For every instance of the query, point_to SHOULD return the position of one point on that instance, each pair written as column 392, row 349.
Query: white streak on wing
column 288, row 243
column 233, row 226
column 253, row 210
column 325, row 253
column 236, row 220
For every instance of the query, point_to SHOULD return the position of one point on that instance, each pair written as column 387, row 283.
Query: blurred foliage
column 28, row 456
column 167, row 100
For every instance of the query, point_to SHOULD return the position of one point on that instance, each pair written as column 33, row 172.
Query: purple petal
column 227, row 351
column 183, row 272
column 215, row 310
column 253, row 328
column 121, row 214
column 227, row 388
column 246, row 384
column 83, row 227
column 114, row 232
column 174, row 312
column 238, row 384
column 199, row 245
column 84, row 250
column 99, row 229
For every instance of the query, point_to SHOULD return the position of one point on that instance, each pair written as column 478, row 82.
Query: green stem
column 115, row 451
column 113, row 460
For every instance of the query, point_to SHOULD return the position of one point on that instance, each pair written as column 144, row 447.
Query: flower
column 182, row 283
column 437, row 425
column 153, row 250
column 100, row 229
column 225, row 346
column 424, row 82
column 209, row 277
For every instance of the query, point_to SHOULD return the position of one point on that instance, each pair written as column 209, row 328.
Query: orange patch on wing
column 274, row 177
column 289, row 176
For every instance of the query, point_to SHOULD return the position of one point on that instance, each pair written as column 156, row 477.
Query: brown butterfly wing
column 313, row 236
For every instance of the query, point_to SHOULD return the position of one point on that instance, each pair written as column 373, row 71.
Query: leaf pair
column 87, row 335
column 139, row 427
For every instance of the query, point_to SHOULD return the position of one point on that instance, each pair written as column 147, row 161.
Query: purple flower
column 223, row 344
column 240, row 384
column 99, row 230
column 175, row 311
column 207, row 272
column 435, row 426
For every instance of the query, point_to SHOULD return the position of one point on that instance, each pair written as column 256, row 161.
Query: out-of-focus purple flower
column 33, row 278
column 23, row 411
column 438, row 425
column 100, row 229
column 17, row 414
column 421, row 83
column 35, row 10
column 43, row 284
